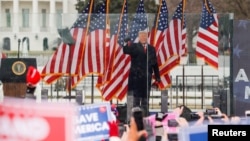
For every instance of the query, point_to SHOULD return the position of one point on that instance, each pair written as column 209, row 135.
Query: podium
column 13, row 75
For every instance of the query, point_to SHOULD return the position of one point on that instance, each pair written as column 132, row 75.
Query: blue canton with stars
column 81, row 21
column 163, row 17
column 207, row 17
column 179, row 14
column 139, row 22
column 123, row 27
column 98, row 20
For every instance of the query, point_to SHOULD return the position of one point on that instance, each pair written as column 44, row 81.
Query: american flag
column 158, row 31
column 174, row 44
column 139, row 23
column 175, row 36
column 207, row 39
column 119, row 65
column 157, row 38
column 2, row 55
column 118, row 85
column 94, row 54
column 58, row 64
column 107, row 60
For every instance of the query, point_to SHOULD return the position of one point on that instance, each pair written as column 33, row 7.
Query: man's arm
column 156, row 69
column 127, row 46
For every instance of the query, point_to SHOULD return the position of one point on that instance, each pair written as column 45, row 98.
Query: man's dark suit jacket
column 139, row 82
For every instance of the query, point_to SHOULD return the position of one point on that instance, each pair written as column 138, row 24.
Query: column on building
column 52, row 15
column 35, row 17
column 16, row 15
column 65, row 13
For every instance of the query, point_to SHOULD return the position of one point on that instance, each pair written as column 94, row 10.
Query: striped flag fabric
column 118, row 86
column 184, row 48
column 59, row 64
column 107, row 60
column 2, row 55
column 158, row 31
column 120, row 63
column 174, row 45
column 93, row 61
column 156, row 37
column 175, row 36
column 207, row 39
column 94, row 54
column 139, row 23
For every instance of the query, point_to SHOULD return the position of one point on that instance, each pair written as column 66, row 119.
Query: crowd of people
column 155, row 130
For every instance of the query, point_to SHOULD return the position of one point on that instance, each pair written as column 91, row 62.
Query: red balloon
column 33, row 76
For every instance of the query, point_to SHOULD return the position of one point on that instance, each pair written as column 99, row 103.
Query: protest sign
column 193, row 133
column 241, row 69
column 92, row 122
column 26, row 120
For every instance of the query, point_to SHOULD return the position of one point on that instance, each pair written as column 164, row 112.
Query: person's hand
column 211, row 121
column 133, row 133
column 182, row 122
column 155, row 85
column 125, row 133
column 225, row 118
column 200, row 114
column 148, row 127
column 235, row 119
column 201, row 119
column 178, row 110
column 218, row 111
column 127, row 41
column 113, row 129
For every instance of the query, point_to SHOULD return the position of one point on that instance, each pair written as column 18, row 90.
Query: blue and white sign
column 193, row 133
column 241, row 67
column 92, row 122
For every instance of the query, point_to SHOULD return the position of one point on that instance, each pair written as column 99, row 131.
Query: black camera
column 194, row 116
column 172, row 137
column 172, row 123
column 211, row 112
column 138, row 116
column 160, row 116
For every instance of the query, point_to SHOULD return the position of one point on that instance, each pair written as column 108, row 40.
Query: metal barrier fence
column 193, row 97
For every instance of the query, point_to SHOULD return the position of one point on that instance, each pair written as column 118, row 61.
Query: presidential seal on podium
column 18, row 68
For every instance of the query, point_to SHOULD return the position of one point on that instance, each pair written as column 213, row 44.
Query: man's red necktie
column 145, row 49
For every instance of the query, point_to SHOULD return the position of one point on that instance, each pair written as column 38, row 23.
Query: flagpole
column 231, row 78
column 70, row 64
column 84, row 43
column 107, row 30
column 156, row 22
column 19, row 41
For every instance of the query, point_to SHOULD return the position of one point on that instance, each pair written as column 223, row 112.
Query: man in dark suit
column 143, row 65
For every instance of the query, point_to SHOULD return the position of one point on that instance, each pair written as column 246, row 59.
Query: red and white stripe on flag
column 207, row 39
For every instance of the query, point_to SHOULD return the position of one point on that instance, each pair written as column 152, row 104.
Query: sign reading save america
column 92, row 122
